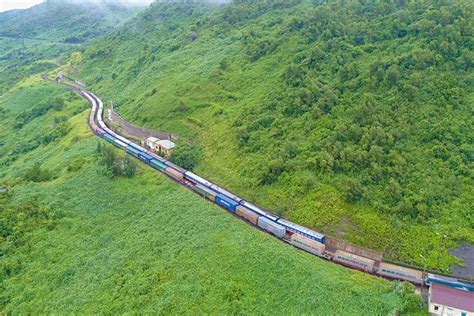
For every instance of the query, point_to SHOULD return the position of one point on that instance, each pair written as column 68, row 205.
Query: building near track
column 448, row 301
column 163, row 146
column 150, row 142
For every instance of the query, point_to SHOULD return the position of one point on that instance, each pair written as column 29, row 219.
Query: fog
column 141, row 3
column 125, row 3
column 6, row 5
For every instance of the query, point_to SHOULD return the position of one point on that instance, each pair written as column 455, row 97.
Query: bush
column 111, row 165
column 38, row 174
column 186, row 156
column 76, row 165
column 354, row 190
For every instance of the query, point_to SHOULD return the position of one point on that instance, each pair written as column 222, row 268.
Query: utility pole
column 441, row 237
column 426, row 263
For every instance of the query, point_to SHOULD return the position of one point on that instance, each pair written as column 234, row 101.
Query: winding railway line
column 313, row 242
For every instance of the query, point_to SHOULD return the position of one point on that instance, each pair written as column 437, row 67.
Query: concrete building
column 448, row 301
column 164, row 146
column 151, row 141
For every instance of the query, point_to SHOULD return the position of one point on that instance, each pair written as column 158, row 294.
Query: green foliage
column 35, row 40
column 371, row 101
column 112, row 164
column 38, row 174
column 411, row 303
column 354, row 190
column 31, row 114
column 63, row 21
column 186, row 156
column 87, row 243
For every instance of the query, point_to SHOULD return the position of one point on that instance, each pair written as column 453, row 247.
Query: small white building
column 448, row 301
column 164, row 146
column 151, row 141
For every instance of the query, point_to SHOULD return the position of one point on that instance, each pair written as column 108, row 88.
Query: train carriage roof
column 300, row 228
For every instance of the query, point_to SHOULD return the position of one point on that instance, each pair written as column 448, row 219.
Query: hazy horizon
column 7, row 5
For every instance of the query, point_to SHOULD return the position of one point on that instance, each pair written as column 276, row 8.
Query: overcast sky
column 6, row 5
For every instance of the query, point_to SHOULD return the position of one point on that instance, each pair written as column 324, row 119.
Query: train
column 303, row 238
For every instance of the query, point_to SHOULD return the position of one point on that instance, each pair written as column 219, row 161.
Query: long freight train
column 298, row 236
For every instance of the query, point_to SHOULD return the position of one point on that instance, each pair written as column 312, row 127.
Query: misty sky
column 6, row 5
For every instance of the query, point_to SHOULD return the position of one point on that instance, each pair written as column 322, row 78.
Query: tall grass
column 146, row 245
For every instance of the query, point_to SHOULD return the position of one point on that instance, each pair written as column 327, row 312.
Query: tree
column 186, row 156
column 129, row 167
column 38, row 174
column 354, row 190
column 392, row 75
column 274, row 169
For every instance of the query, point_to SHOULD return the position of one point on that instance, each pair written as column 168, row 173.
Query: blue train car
column 303, row 231
column 226, row 202
column 133, row 151
column 135, row 146
column 447, row 281
column 145, row 157
column 193, row 178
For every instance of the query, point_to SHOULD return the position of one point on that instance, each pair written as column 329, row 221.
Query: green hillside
column 354, row 118
column 76, row 239
column 64, row 21
column 33, row 40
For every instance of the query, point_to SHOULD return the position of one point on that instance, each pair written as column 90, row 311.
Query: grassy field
column 77, row 241
column 354, row 120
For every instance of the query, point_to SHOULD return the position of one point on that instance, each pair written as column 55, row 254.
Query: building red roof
column 448, row 296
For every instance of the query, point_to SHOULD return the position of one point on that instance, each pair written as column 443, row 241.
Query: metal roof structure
column 166, row 144
column 152, row 139
column 302, row 229
column 449, row 296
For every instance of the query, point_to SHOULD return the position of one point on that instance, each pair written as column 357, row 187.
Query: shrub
column 112, row 165
column 38, row 174
column 186, row 156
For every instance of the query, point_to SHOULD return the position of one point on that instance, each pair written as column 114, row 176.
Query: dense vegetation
column 113, row 165
column 64, row 21
column 350, row 117
column 75, row 240
column 34, row 40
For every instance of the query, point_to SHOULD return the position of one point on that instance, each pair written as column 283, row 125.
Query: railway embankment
column 135, row 131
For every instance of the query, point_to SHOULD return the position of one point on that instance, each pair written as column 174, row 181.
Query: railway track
column 305, row 239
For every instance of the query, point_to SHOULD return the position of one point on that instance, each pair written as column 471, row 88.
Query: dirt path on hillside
column 135, row 131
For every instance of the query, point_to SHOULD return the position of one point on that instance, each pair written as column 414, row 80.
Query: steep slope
column 64, row 21
column 32, row 40
column 351, row 118
column 76, row 239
